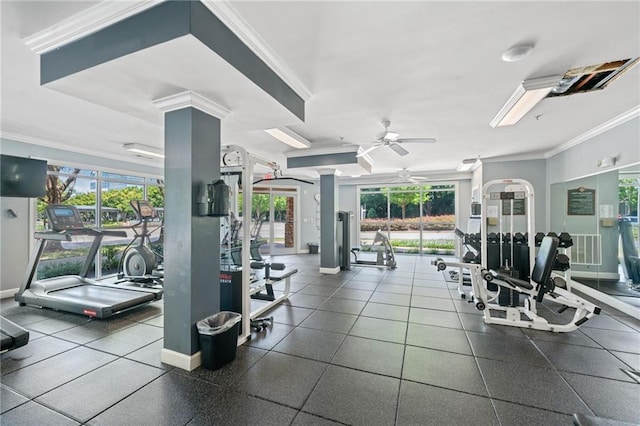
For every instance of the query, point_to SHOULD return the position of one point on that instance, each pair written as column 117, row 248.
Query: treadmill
column 77, row 293
column 12, row 335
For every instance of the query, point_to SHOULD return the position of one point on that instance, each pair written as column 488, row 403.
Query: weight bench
column 534, row 291
column 264, row 290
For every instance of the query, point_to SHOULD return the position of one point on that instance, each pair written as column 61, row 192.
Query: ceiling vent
column 590, row 78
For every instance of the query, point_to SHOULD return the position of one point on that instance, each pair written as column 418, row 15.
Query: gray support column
column 192, row 242
column 329, row 261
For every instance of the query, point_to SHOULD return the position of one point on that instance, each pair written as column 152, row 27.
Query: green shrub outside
column 57, row 269
column 429, row 223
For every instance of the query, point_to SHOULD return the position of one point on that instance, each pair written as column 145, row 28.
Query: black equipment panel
column 63, row 217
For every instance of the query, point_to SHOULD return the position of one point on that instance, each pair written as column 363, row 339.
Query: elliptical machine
column 139, row 263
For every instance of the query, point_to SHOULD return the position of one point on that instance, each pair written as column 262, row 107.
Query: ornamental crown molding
column 191, row 99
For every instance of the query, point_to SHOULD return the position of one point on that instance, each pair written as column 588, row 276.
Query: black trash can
column 218, row 335
column 313, row 248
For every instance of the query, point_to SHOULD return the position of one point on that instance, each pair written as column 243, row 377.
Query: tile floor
column 364, row 347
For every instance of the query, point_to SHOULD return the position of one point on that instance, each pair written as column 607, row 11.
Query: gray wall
column 581, row 160
column 14, row 246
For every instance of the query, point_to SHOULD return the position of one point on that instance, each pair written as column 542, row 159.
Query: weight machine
column 237, row 167
column 515, row 282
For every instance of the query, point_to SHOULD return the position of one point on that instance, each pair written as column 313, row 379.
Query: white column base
column 6, row 294
column 180, row 360
column 330, row 270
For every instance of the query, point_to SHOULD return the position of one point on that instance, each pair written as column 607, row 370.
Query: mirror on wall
column 601, row 214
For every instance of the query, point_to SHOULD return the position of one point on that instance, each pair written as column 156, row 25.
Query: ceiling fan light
column 391, row 136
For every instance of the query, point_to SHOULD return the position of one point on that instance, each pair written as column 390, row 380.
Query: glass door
column 274, row 220
column 282, row 213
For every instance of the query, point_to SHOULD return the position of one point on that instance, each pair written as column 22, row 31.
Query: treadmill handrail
column 52, row 236
column 66, row 234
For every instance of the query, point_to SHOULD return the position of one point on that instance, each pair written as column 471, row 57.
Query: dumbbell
column 519, row 238
column 565, row 240
column 538, row 238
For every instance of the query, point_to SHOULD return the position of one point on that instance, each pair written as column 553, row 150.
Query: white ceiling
column 433, row 68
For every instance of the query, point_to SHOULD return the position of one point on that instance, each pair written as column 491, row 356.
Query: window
column 416, row 218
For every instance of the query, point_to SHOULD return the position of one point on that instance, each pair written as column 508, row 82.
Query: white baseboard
column 6, row 294
column 180, row 360
column 606, row 299
column 330, row 270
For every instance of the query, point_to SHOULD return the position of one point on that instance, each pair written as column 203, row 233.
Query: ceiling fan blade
column 416, row 140
column 368, row 150
column 398, row 149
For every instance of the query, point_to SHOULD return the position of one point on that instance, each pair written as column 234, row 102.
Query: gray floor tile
column 607, row 322
column 386, row 311
column 574, row 338
column 172, row 399
column 246, row 357
column 360, row 285
column 150, row 355
column 305, row 419
column 608, row 398
column 354, row 397
column 446, row 339
column 234, row 409
column 380, row 329
column 515, row 414
column 353, row 294
column 345, row 306
column 32, row 413
column 267, row 339
column 443, row 369
column 588, row 361
column 432, row 303
column 370, row 355
column 287, row 314
column 313, row 344
column 403, row 281
column 108, row 385
column 421, row 404
column 58, row 323
column 318, row 290
column 540, row 387
column 306, row 300
column 95, row 329
column 463, row 305
column 472, row 322
column 25, row 315
column 615, row 340
column 144, row 313
column 393, row 288
column 431, row 292
column 9, row 399
column 330, row 321
column 50, row 373
column 281, row 378
column 391, row 298
column 33, row 352
column 631, row 360
column 435, row 282
column 520, row 351
column 128, row 340
column 435, row 317
column 156, row 321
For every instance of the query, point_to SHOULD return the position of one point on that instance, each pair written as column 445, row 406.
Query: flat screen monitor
column 22, row 177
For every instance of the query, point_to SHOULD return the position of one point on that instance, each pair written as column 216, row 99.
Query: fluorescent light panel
column 466, row 165
column 526, row 96
column 289, row 137
column 144, row 150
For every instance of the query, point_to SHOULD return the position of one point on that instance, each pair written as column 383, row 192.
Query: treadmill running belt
column 95, row 296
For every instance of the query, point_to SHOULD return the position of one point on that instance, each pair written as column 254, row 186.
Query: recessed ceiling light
column 516, row 53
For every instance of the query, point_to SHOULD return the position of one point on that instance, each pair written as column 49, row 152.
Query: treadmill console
column 63, row 217
column 143, row 209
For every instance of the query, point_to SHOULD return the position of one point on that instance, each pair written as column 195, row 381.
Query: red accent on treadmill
column 90, row 312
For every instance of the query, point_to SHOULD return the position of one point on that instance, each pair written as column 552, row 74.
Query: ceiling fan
column 392, row 140
column 404, row 175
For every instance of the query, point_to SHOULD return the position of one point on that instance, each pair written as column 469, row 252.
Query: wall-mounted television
column 22, row 177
